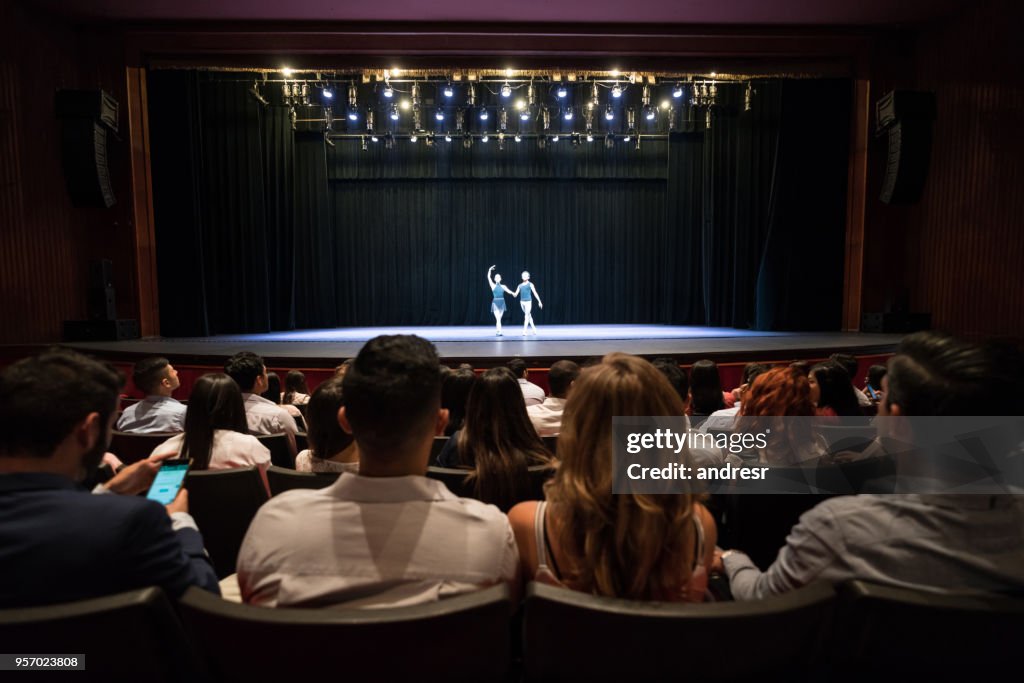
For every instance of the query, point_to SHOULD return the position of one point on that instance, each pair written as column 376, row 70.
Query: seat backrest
column 552, row 443
column 223, row 503
column 847, row 437
column 460, row 638
column 885, row 632
column 281, row 479
column 539, row 475
column 454, row 478
column 857, row 476
column 130, row 447
column 280, row 453
column 133, row 634
column 435, row 449
column 577, row 636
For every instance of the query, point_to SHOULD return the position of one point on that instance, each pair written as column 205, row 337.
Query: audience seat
column 130, row 447
column 281, row 479
column 552, row 443
column 465, row 637
column 436, row 448
column 454, row 478
column 870, row 475
column 568, row 635
column 223, row 503
column 280, row 453
column 301, row 441
column 847, row 437
column 134, row 635
column 885, row 633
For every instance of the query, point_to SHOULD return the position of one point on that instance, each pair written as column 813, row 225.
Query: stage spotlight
column 255, row 92
column 629, row 135
column 365, row 146
column 439, row 114
column 506, row 90
column 353, row 115
column 562, row 92
column 394, row 112
column 542, row 141
column 485, row 137
column 501, row 142
column 374, row 138
column 328, row 93
column 524, row 115
column 616, row 91
column 609, row 113
column 568, row 114
column 483, row 114
column 389, row 92
column 518, row 138
column 554, row 138
column 413, row 137
column 677, row 91
column 609, row 141
column 590, row 137
column 447, row 137
column 448, row 90
column 467, row 141
column 389, row 140
column 650, row 112
column 575, row 140
column 287, row 72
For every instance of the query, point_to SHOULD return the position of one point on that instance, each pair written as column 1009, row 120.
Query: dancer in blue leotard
column 498, row 302
column 526, row 301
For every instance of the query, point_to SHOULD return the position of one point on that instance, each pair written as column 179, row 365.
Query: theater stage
column 479, row 345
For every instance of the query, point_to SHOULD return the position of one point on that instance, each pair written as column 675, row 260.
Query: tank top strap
column 540, row 539
column 698, row 557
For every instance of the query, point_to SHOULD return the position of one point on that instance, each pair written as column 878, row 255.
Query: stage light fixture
column 501, row 141
column 595, row 100
column 255, row 92
column 524, row 115
column 707, row 119
column 471, row 96
column 287, row 72
column 590, row 137
column 394, row 112
column 467, row 141
column 328, row 93
column 503, row 119
column 616, row 91
column 353, row 115
column 389, row 140
column 413, row 137
column 483, row 114
column 609, row 113
column 439, row 114
column 542, row 141
column 369, row 120
column 677, row 91
column 748, row 96
column 389, row 92
column 545, row 117
column 629, row 135
column 404, row 104
column 374, row 138
column 286, row 90
column 448, row 90
column 519, row 138
column 562, row 92
column 520, row 105
column 554, row 138
column 568, row 114
column 650, row 113
column 364, row 145
column 506, row 90
column 415, row 94
column 447, row 137
column 609, row 141
column 485, row 137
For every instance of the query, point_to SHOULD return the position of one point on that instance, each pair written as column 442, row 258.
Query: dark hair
column 934, row 373
column 148, row 373
column 835, row 390
column 517, row 366
column 846, row 362
column 561, row 375
column 343, row 367
column 325, row 435
column 706, row 388
column 42, row 398
column 875, row 375
column 273, row 392
column 801, row 366
column 392, row 391
column 454, row 394
column 675, row 375
column 498, row 441
column 294, row 383
column 752, row 370
column 215, row 403
column 245, row 367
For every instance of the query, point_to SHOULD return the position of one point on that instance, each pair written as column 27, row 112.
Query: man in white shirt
column 533, row 395
column 158, row 412
column 547, row 416
column 263, row 416
column 387, row 536
column 849, row 363
column 724, row 419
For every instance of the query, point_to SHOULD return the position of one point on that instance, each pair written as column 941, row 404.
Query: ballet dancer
column 526, row 301
column 498, row 302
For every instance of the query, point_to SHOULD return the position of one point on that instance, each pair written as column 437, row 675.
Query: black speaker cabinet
column 895, row 322
column 85, row 118
column 101, row 330
column 906, row 117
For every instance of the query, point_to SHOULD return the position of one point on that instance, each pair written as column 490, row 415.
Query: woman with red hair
column 782, row 393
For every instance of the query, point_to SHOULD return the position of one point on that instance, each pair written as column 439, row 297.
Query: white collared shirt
column 153, row 414
column 229, row 449
column 532, row 394
column 547, row 416
column 266, row 417
column 373, row 542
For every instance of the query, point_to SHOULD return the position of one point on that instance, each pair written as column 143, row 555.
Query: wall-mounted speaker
column 86, row 116
column 906, row 117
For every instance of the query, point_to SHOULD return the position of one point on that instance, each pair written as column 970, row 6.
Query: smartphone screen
column 168, row 481
column 872, row 394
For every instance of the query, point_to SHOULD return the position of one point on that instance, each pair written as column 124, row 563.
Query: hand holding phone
column 168, row 481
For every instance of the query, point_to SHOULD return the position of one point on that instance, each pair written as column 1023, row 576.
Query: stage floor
column 474, row 344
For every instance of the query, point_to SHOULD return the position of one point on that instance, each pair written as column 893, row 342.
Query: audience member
column 296, row 391
column 831, row 391
column 342, row 367
column 779, row 393
column 497, row 441
column 801, row 366
column 705, row 390
column 216, row 433
column 158, row 411
column 532, row 394
column 454, row 393
column 675, row 375
column 547, row 417
column 276, row 396
column 932, row 542
column 873, row 382
column 387, row 536
column 58, row 542
column 584, row 537
column 331, row 448
column 849, row 363
column 724, row 419
column 263, row 416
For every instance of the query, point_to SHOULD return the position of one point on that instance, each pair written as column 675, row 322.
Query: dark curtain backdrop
column 261, row 227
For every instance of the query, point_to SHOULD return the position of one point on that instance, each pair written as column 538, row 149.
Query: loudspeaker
column 85, row 116
column 101, row 330
column 907, row 119
column 101, row 302
column 895, row 322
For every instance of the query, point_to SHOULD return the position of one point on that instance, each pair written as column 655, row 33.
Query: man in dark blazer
column 59, row 541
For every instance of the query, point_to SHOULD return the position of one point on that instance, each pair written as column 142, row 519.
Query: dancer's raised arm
column 490, row 281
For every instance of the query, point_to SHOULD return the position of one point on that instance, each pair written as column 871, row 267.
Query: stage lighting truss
column 547, row 105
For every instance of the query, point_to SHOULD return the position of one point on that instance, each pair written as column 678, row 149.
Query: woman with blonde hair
column 629, row 545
